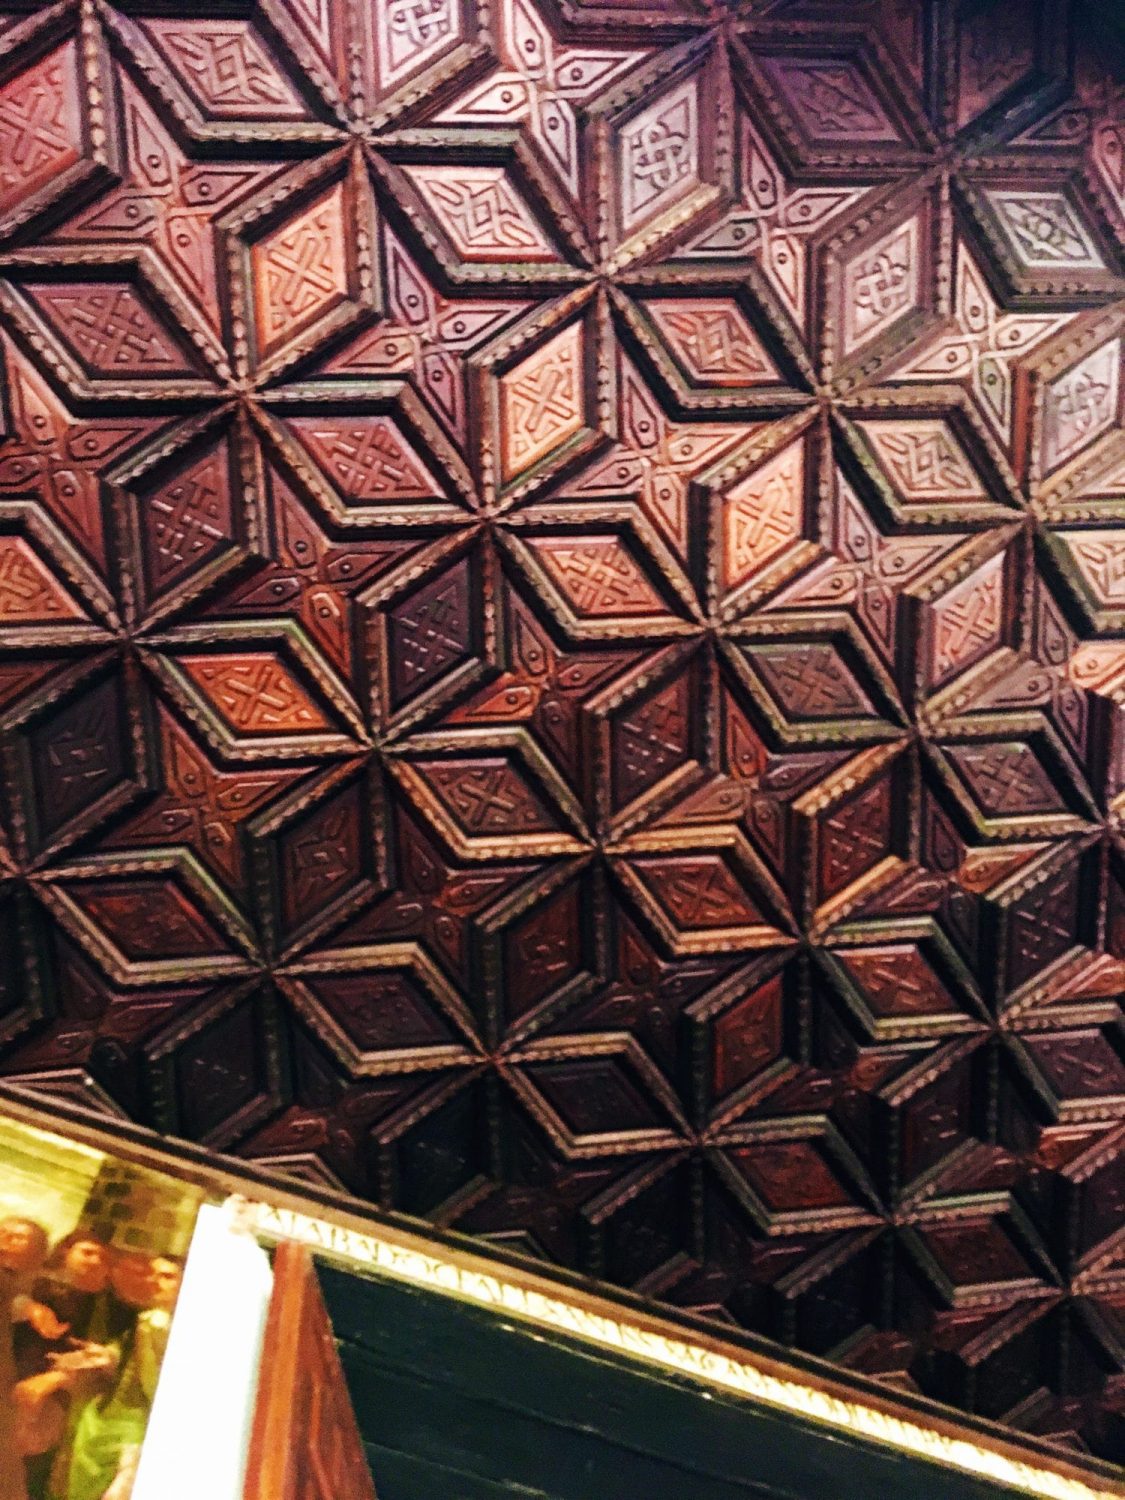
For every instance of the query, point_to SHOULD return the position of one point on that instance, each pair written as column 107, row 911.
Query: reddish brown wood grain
column 561, row 625
column 304, row 1444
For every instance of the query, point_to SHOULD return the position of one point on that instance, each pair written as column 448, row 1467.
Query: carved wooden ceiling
column 562, row 639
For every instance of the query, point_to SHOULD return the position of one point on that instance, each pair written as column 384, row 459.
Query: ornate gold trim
column 710, row 1366
column 267, row 1209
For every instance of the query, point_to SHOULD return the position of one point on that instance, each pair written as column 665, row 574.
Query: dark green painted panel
column 450, row 1428
column 461, row 1388
column 404, row 1477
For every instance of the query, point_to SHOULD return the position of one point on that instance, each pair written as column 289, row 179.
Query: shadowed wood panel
column 562, row 635
column 304, row 1444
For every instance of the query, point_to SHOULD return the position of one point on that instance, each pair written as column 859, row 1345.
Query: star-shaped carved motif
column 543, row 86
column 199, row 806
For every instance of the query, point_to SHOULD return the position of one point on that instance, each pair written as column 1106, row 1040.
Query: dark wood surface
column 561, row 624
column 452, row 1402
column 427, row 1333
column 305, row 1444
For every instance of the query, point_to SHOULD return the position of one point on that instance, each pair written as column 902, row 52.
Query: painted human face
column 166, row 1277
column 131, row 1278
column 23, row 1245
column 86, row 1266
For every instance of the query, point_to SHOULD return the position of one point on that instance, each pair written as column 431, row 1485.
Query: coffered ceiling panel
column 562, row 639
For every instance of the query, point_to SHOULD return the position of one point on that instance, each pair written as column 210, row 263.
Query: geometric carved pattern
column 299, row 269
column 537, row 81
column 1044, row 230
column 562, row 640
column 763, row 514
column 598, row 576
column 254, row 693
column 111, row 329
column 1082, row 404
column 228, row 69
column 541, row 401
column 39, row 135
column 832, row 99
column 28, row 592
column 714, row 341
column 881, row 285
column 412, row 33
column 986, row 345
column 367, row 458
column 481, row 213
column 660, row 155
column 186, row 520
column 924, row 460
column 968, row 619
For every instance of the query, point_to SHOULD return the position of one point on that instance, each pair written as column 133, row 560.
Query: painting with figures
column 91, row 1254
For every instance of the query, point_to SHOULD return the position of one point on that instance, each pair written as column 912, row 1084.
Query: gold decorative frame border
column 406, row 1253
column 446, row 1275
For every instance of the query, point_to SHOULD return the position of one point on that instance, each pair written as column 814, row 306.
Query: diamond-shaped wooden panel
column 562, row 638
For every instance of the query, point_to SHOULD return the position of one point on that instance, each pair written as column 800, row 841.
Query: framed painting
column 91, row 1257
